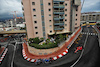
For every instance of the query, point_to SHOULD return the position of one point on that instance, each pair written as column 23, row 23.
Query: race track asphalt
column 90, row 57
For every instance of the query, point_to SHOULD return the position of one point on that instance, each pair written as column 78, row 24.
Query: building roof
column 91, row 13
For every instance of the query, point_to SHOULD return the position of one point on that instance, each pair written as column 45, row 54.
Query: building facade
column 10, row 23
column 90, row 17
column 45, row 17
column 19, row 20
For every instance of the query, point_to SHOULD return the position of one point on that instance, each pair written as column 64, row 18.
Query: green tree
column 41, row 39
column 64, row 37
column 47, row 41
column 61, row 37
column 36, row 40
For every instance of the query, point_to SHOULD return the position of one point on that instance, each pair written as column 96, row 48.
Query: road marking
column 60, row 55
column 89, row 33
column 28, row 59
column 64, row 53
column 2, row 57
column 54, row 58
column 81, row 52
column 32, row 60
column 13, row 54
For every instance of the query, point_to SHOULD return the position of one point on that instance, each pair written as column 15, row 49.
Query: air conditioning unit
column 77, row 2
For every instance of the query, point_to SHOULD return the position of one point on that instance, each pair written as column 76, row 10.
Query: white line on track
column 81, row 52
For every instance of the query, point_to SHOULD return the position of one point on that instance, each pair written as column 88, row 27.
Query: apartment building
column 45, row 17
column 19, row 20
column 10, row 23
column 90, row 17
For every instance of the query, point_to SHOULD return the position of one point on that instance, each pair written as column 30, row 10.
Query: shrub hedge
column 34, row 42
column 44, row 46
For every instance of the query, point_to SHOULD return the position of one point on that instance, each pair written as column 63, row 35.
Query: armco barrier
column 98, row 31
column 74, row 37
column 68, row 43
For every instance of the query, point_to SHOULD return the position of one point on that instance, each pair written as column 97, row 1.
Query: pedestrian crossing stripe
column 89, row 33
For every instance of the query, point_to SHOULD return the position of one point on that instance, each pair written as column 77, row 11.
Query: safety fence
column 98, row 31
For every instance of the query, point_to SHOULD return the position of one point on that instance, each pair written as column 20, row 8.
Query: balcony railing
column 60, row 24
column 58, row 0
column 21, row 2
column 58, row 18
column 58, row 6
column 58, row 13
column 58, row 28
column 58, row 10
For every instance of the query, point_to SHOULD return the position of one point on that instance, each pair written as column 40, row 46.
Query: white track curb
column 1, row 59
column 25, row 57
column 54, row 58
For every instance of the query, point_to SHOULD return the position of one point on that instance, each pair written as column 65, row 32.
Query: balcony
column 58, row 6
column 58, row 18
column 21, row 2
column 58, row 10
column 58, row 28
column 60, row 24
column 58, row 13
column 22, row 8
column 58, row 0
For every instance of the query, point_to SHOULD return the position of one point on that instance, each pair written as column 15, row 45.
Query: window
column 43, row 33
column 65, row 4
column 43, row 28
column 50, row 31
column 49, row 3
column 35, row 27
column 49, row 9
column 76, row 14
column 36, row 32
column 34, row 10
column 65, row 19
column 65, row 14
column 33, row 3
column 65, row 9
column 76, row 8
column 65, row 24
column 49, row 15
column 75, row 23
column 49, row 20
column 34, row 15
column 43, row 23
column 50, row 26
column 76, row 19
column 35, row 21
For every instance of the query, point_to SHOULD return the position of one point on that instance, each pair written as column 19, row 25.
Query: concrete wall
column 43, row 51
